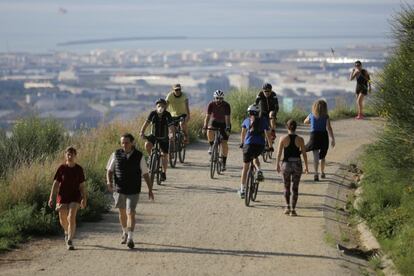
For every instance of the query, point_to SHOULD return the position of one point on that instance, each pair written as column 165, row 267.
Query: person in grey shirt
column 125, row 168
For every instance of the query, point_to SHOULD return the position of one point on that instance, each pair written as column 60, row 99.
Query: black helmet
column 161, row 101
column 267, row 86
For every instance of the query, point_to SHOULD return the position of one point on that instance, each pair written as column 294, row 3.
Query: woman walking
column 292, row 147
column 71, row 193
column 319, row 140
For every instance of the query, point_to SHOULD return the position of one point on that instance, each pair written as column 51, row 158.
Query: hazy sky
column 39, row 25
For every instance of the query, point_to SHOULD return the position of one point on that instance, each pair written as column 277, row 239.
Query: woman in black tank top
column 292, row 146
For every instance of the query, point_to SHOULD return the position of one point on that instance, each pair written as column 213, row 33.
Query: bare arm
column 330, row 131
column 227, row 119
column 353, row 74
column 84, row 194
column 187, row 107
column 53, row 191
column 304, row 154
column 143, row 128
column 109, row 180
column 307, row 120
column 279, row 154
column 149, row 185
column 243, row 135
column 206, row 120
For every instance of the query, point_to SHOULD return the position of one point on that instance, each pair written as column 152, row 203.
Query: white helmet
column 253, row 108
column 218, row 94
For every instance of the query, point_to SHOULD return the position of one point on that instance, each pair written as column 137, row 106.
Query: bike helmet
column 253, row 109
column 267, row 86
column 161, row 101
column 218, row 94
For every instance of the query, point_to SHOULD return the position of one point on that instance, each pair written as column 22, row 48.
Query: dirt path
column 199, row 226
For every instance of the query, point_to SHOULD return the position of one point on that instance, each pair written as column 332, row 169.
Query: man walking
column 124, row 170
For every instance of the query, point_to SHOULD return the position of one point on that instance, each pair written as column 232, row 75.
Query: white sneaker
column 241, row 193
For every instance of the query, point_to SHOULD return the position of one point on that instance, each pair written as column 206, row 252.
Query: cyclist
column 254, row 129
column 177, row 104
column 269, row 106
column 162, row 130
column 218, row 116
column 363, row 86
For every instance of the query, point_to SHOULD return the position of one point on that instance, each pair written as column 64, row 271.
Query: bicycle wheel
column 249, row 183
column 153, row 166
column 181, row 149
column 256, row 188
column 173, row 154
column 158, row 169
column 213, row 161
column 181, row 152
column 264, row 155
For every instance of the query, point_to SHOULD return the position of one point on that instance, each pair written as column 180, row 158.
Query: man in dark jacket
column 125, row 168
column 269, row 106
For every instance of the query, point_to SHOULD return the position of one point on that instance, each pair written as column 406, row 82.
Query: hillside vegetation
column 388, row 165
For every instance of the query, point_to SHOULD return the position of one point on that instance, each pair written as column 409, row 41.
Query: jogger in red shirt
column 69, row 185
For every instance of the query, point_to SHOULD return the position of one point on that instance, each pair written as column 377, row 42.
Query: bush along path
column 199, row 225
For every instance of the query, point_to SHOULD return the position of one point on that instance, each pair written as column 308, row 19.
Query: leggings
column 292, row 171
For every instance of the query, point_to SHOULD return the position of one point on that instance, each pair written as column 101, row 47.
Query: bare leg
column 72, row 222
column 225, row 148
column 148, row 147
column 164, row 162
column 123, row 218
column 63, row 219
column 244, row 173
column 257, row 164
column 316, row 160
column 131, row 220
column 323, row 165
column 210, row 135
column 360, row 101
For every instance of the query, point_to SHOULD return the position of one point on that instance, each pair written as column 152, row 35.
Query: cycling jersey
column 160, row 123
column 267, row 104
column 177, row 105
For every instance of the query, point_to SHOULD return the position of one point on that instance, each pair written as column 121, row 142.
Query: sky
column 40, row 25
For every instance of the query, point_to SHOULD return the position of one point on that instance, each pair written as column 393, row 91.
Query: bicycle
column 267, row 154
column 216, row 162
column 178, row 147
column 155, row 167
column 252, row 185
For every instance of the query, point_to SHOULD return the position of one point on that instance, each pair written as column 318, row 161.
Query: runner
column 71, row 193
column 125, row 168
column 363, row 86
column 319, row 140
column 252, row 142
column 218, row 116
column 177, row 104
column 269, row 106
column 162, row 130
column 292, row 147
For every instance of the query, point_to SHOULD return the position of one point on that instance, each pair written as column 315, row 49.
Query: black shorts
column 319, row 140
column 222, row 128
column 361, row 89
column 178, row 118
column 252, row 151
column 164, row 142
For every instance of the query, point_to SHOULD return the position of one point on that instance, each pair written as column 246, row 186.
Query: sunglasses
column 177, row 90
column 267, row 91
column 219, row 98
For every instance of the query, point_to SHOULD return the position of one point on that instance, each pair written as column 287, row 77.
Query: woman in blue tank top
column 319, row 139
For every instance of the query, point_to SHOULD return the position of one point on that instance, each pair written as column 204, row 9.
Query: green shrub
column 239, row 101
column 388, row 165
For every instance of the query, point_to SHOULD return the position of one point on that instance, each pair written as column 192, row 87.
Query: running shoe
column 69, row 245
column 323, row 175
column 223, row 168
column 259, row 176
column 287, row 211
column 124, row 238
column 315, row 177
column 293, row 213
column 241, row 193
column 359, row 117
column 163, row 176
column 130, row 244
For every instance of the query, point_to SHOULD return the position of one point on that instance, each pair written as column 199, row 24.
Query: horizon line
column 150, row 38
